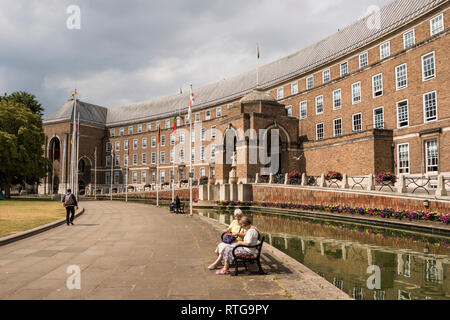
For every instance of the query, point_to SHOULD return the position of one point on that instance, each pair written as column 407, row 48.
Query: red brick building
column 374, row 96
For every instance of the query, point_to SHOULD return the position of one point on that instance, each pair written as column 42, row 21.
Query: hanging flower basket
column 386, row 178
column 332, row 175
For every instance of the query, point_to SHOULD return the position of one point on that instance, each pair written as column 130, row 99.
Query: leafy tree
column 21, row 140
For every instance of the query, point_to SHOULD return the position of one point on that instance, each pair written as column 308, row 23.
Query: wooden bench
column 180, row 210
column 250, row 259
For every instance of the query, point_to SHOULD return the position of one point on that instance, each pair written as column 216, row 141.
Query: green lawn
column 21, row 215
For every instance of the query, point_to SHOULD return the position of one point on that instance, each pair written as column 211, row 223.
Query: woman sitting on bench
column 236, row 231
column 250, row 239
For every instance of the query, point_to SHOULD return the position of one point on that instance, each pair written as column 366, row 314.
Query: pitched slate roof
column 393, row 15
column 89, row 113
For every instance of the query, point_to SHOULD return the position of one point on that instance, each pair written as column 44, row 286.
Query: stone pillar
column 270, row 178
column 345, row 182
column 322, row 181
column 245, row 192
column 322, row 248
column 285, row 242
column 303, row 245
column 344, row 252
column 224, row 192
column 401, row 184
column 257, row 178
column 441, row 191
column 303, row 183
column 203, row 193
column 286, row 178
column 370, row 184
column 233, row 192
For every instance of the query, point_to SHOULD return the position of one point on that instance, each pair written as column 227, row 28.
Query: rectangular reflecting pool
column 366, row 262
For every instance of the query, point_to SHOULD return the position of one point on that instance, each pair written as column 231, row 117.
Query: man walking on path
column 70, row 202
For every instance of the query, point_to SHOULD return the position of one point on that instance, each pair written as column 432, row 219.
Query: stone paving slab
column 138, row 251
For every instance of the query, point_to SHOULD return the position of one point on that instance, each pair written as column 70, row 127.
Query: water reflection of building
column 405, row 274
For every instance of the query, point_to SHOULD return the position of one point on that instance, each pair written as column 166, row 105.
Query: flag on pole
column 191, row 103
column 175, row 121
column 257, row 51
column 159, row 135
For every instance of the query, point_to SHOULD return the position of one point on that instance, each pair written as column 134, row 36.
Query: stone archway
column 276, row 143
column 54, row 155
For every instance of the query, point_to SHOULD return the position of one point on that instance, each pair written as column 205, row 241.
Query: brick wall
column 308, row 196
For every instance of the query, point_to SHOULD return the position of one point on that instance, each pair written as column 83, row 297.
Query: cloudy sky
column 130, row 51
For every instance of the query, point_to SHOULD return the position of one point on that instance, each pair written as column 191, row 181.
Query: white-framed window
column 430, row 106
column 377, row 85
column 193, row 153
column 213, row 151
column 117, row 144
column 108, row 147
column 182, row 138
column 193, row 136
column 167, row 123
column 230, row 105
column 186, row 119
column 337, row 100
column 112, row 132
column 171, row 175
column 437, row 24
column 289, row 111
column 343, row 68
column 139, row 128
column 181, row 155
column 378, row 118
column 153, row 176
column 172, row 156
column 203, row 134
column 208, row 115
column 363, row 60
column 431, row 151
column 149, row 127
column 144, row 143
column 409, row 39
column 202, row 153
column 385, row 50
column 303, row 109
column 117, row 161
column 326, row 75
column 143, row 177
column 153, row 159
column 153, row 141
column 178, row 121
column 135, row 159
column 163, row 140
column 319, row 104
column 108, row 177
column 163, row 157
column 130, row 130
column 310, row 82
column 144, row 158
column 172, row 139
column 218, row 112
column 401, row 76
column 337, row 127
column 357, row 122
column 125, row 160
column 213, row 132
column 402, row 114
column 403, row 158
column 319, row 131
column 134, row 177
column 197, row 117
column 162, row 176
column 294, row 88
column 116, row 177
column 157, row 125
column 202, row 172
column 121, row 132
column 125, row 145
column 428, row 66
column 135, row 144
column 356, row 92
column 280, row 93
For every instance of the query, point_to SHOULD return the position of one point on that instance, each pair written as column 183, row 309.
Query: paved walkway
column 137, row 251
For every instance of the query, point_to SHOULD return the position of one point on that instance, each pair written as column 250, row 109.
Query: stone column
column 344, row 252
column 257, row 178
column 322, row 248
column 401, row 184
column 322, row 181
column 303, row 183
column 441, row 191
column 286, row 178
column 270, row 178
column 370, row 184
column 345, row 182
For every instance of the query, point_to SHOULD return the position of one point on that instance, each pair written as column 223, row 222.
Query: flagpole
column 78, row 154
column 257, row 66
column 126, row 174
column 191, row 102
column 158, row 180
column 112, row 170
column 63, row 166
column 72, row 152
column 95, row 173
column 53, row 168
